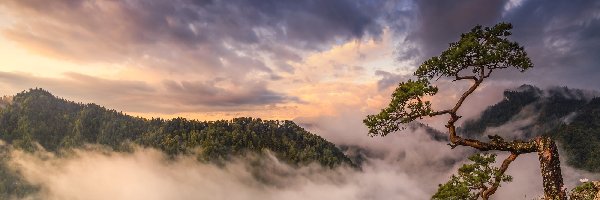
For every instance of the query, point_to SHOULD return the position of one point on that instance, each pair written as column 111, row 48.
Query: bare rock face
column 586, row 191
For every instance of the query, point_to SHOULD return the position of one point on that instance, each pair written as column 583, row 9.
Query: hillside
column 581, row 137
column 570, row 116
column 37, row 117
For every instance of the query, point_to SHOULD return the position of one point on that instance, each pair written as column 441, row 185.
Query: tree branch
column 442, row 112
column 465, row 95
column 465, row 77
column 496, row 144
column 488, row 74
column 498, row 177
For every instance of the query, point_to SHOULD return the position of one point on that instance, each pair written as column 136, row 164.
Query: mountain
column 570, row 116
column 35, row 119
column 36, row 116
column 580, row 138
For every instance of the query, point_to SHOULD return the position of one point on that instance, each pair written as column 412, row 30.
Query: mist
column 434, row 161
column 149, row 174
column 406, row 165
column 409, row 164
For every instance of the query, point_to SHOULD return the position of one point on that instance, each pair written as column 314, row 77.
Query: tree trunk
column 550, row 168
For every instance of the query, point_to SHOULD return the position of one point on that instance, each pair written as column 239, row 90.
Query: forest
column 570, row 116
column 36, row 120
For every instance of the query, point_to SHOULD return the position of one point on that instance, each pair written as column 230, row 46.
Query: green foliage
column 585, row 191
column 454, row 189
column 12, row 185
column 37, row 116
column 472, row 178
column 578, row 138
column 503, row 111
column 480, row 49
column 5, row 101
column 406, row 106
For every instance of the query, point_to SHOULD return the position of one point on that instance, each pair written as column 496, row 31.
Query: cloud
column 560, row 37
column 209, row 94
column 440, row 23
column 527, row 180
column 404, row 165
column 389, row 79
column 138, row 96
column 516, row 126
column 268, row 51
column 230, row 56
column 148, row 174
column 186, row 35
column 431, row 161
column 407, row 165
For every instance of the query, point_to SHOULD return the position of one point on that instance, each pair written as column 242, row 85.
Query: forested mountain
column 581, row 137
column 36, row 116
column 570, row 116
column 36, row 119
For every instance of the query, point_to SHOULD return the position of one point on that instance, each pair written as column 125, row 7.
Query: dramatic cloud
column 325, row 64
column 194, row 53
column 228, row 53
column 139, row 96
column 389, row 79
column 440, row 23
column 561, row 37
column 206, row 33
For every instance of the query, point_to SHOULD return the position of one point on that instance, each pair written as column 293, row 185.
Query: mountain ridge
column 569, row 116
column 36, row 120
column 38, row 116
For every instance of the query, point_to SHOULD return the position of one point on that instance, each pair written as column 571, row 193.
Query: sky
column 275, row 59
column 324, row 64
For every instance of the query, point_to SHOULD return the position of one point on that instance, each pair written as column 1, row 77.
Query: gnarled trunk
column 550, row 168
column 543, row 145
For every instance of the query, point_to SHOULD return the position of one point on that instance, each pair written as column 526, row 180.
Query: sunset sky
column 275, row 59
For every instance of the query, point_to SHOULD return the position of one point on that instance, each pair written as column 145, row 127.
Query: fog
column 404, row 165
column 149, row 174
column 434, row 161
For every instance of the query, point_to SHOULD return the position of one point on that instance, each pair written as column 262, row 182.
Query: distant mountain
column 580, row 137
column 570, row 116
column 37, row 119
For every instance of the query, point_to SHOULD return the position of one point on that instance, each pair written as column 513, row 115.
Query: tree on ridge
column 473, row 58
